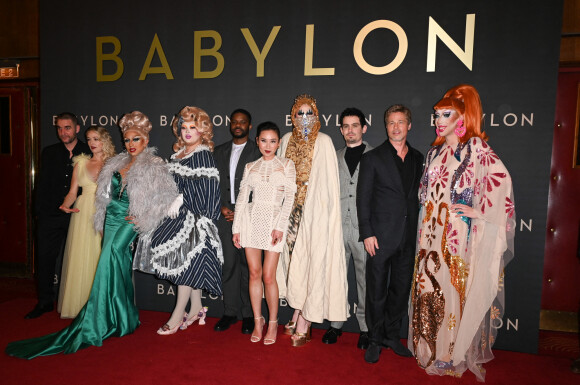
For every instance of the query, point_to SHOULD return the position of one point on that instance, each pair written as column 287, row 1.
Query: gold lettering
column 260, row 56
column 164, row 69
column 401, row 53
column 309, row 54
column 113, row 56
column 466, row 56
column 214, row 51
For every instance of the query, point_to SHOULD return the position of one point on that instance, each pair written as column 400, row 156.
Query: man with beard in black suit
column 231, row 158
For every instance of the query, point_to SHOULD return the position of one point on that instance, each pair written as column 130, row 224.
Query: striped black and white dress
column 187, row 250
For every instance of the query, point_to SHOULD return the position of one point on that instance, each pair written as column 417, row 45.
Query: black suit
column 51, row 187
column 386, row 212
column 235, row 275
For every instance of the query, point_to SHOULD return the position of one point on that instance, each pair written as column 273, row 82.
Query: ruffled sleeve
column 82, row 158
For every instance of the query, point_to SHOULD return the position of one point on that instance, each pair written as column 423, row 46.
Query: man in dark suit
column 52, row 224
column 388, row 208
column 231, row 158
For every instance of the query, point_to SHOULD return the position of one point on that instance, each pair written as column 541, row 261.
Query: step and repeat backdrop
column 102, row 59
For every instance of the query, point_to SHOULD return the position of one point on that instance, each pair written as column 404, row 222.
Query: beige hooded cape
column 314, row 281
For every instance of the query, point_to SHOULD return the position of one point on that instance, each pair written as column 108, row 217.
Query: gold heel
column 300, row 339
column 290, row 328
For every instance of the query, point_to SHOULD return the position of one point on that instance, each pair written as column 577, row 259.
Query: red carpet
column 200, row 355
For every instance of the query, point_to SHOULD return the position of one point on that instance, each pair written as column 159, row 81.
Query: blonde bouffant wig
column 136, row 121
column 202, row 123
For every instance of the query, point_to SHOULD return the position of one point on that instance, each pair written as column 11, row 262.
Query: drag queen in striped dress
column 185, row 249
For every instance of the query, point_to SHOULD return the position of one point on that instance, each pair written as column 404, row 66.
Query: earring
column 460, row 129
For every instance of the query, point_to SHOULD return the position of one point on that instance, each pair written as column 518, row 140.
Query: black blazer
column 222, row 157
column 383, row 208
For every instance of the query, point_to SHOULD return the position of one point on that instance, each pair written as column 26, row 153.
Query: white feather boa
column 150, row 187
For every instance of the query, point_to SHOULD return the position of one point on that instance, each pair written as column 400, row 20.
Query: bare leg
column 271, row 285
column 301, row 326
column 290, row 326
column 254, row 258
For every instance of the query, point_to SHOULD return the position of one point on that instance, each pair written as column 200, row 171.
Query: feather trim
column 150, row 187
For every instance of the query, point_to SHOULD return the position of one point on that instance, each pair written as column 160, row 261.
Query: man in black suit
column 52, row 224
column 231, row 158
column 388, row 208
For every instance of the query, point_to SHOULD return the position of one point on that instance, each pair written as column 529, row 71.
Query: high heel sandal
column 290, row 328
column 199, row 316
column 254, row 338
column 270, row 341
column 165, row 330
column 300, row 339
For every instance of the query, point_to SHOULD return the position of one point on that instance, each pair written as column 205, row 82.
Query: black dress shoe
column 225, row 322
column 397, row 347
column 363, row 340
column 372, row 354
column 331, row 335
column 39, row 310
column 247, row 325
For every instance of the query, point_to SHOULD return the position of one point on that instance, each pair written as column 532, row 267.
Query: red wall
column 561, row 286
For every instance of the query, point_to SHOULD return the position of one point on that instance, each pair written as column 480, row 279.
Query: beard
column 242, row 134
column 352, row 140
column 68, row 139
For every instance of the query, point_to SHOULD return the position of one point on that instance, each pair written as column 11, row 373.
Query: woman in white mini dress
column 261, row 221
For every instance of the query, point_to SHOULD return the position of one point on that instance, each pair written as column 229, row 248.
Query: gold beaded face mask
column 305, row 123
column 305, row 118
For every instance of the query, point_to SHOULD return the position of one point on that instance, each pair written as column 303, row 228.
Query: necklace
column 185, row 152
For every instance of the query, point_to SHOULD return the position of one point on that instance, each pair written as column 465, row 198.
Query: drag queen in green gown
column 135, row 192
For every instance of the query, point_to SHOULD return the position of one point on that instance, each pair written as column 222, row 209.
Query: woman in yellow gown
column 83, row 242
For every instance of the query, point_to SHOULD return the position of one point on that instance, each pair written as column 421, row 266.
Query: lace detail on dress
column 209, row 172
column 175, row 256
column 272, row 187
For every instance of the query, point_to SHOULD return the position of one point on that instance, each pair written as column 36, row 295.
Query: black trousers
column 51, row 236
column 389, row 274
column 235, row 275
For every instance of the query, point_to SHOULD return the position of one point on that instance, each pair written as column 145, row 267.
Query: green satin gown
column 110, row 310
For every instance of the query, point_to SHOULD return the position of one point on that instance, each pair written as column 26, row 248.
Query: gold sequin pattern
column 428, row 211
column 457, row 267
column 428, row 308
column 451, row 321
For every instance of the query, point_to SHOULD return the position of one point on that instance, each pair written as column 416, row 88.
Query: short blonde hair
column 105, row 137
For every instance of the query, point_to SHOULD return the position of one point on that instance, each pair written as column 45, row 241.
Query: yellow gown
column 83, row 247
